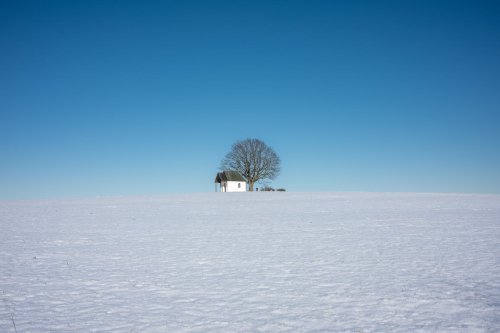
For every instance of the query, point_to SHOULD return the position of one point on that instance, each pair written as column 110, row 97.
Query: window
column 239, row 185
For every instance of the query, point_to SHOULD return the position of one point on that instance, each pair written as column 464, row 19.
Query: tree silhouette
column 254, row 160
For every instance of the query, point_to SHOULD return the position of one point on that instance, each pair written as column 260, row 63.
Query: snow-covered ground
column 252, row 262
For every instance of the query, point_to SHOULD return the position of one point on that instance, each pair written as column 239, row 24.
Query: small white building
column 230, row 181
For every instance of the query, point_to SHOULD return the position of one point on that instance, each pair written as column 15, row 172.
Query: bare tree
column 253, row 159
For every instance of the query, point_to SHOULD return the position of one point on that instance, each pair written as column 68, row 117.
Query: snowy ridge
column 252, row 262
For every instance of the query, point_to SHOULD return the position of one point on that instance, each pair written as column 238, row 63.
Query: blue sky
column 146, row 97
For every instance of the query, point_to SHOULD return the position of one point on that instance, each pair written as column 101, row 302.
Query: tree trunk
column 250, row 186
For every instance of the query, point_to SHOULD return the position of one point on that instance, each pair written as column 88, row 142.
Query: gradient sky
column 146, row 97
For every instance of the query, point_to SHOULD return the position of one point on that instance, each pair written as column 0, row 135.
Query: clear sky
column 146, row 97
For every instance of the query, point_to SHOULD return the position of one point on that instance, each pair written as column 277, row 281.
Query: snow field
column 252, row 262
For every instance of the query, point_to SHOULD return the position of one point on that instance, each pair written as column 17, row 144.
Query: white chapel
column 230, row 181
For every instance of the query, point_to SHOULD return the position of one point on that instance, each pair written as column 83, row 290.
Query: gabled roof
column 229, row 176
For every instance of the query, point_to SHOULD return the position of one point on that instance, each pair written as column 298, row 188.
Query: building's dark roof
column 230, row 176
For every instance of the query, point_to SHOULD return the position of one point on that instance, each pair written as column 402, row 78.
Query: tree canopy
column 254, row 160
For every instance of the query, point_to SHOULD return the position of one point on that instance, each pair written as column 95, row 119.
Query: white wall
column 233, row 186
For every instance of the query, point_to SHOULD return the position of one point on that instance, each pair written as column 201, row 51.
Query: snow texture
column 252, row 262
